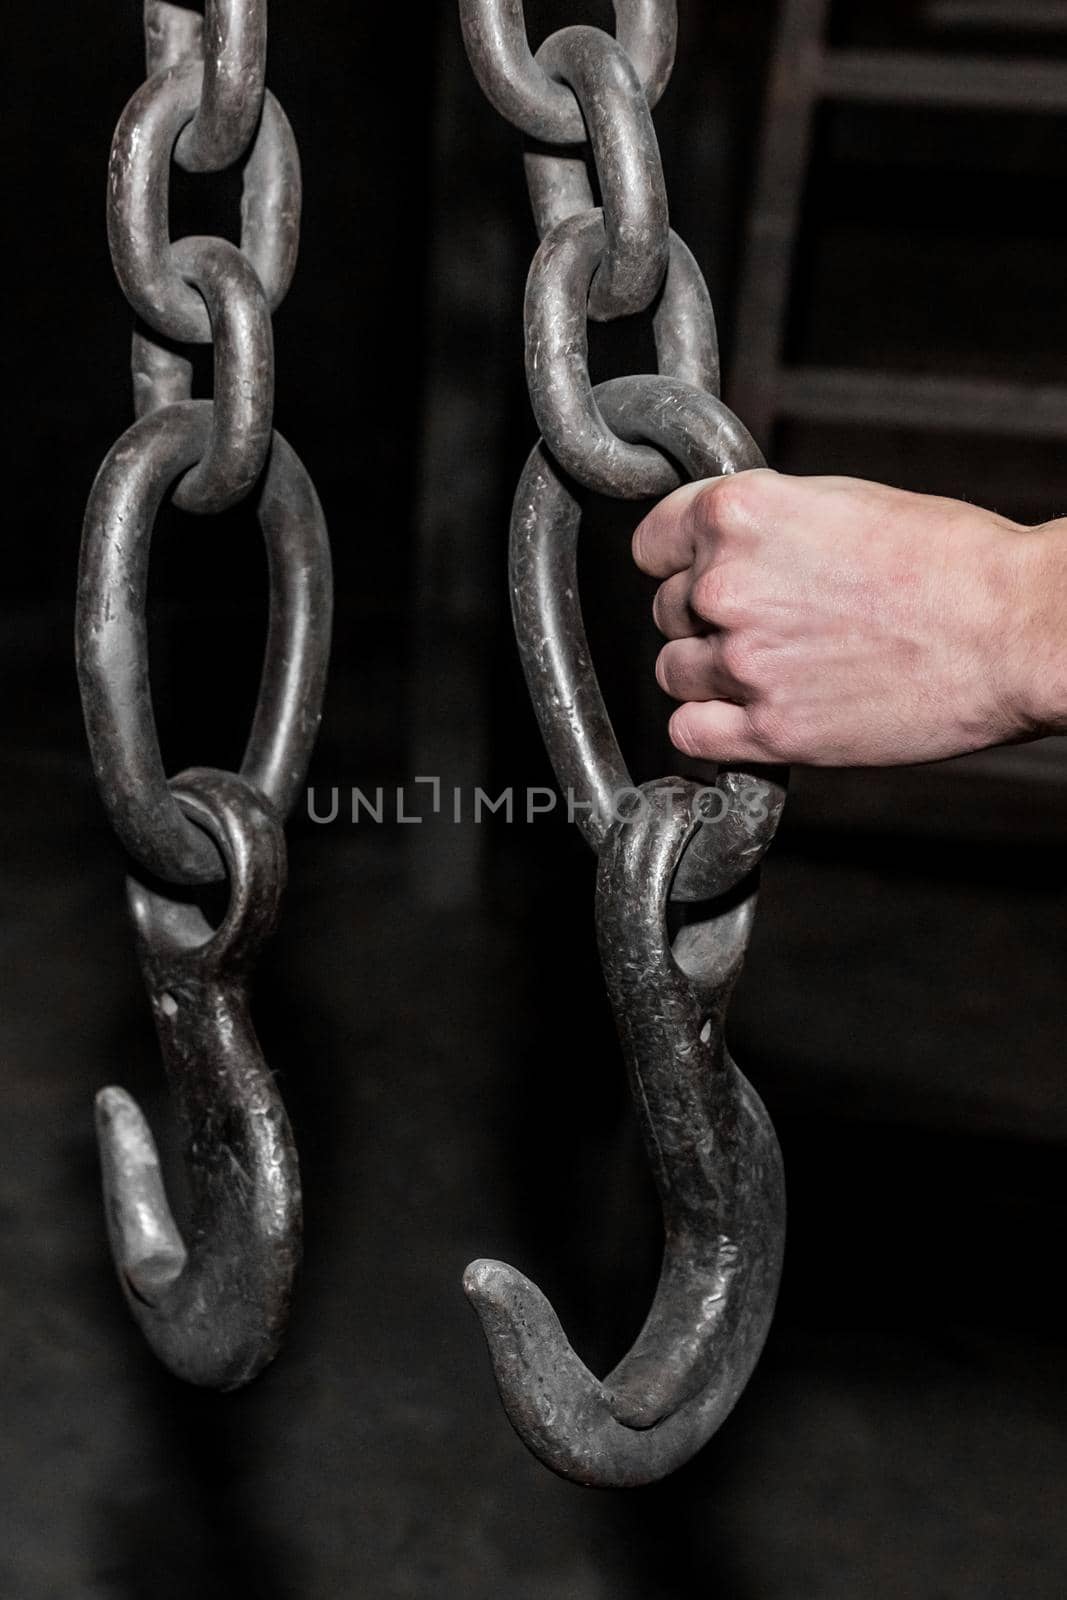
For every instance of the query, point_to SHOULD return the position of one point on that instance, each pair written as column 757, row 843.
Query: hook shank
column 212, row 1305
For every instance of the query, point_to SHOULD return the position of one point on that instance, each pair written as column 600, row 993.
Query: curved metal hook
column 212, row 1306
column 717, row 1168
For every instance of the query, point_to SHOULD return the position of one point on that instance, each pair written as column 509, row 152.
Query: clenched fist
column 833, row 622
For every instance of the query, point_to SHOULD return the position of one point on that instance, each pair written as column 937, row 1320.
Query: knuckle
column 735, row 502
column 727, row 592
column 715, row 595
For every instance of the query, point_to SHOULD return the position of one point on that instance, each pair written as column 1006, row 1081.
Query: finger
column 717, row 730
column 665, row 542
column 690, row 669
column 673, row 533
column 671, row 610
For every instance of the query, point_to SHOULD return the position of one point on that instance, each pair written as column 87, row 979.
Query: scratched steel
column 709, row 1141
column 212, row 1301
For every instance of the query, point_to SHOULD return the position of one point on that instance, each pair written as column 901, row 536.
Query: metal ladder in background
column 804, row 73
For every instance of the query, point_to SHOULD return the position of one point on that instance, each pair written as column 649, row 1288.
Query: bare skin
column 834, row 622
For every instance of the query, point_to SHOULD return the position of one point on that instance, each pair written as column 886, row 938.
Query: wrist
column 1039, row 628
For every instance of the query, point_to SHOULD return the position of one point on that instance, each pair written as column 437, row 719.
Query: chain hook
column 212, row 1305
column 718, row 1171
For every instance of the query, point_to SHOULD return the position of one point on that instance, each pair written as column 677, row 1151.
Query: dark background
column 433, row 1005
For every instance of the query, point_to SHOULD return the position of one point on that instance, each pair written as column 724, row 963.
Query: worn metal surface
column 234, row 45
column 138, row 204
column 557, row 357
column 494, row 32
column 716, row 1164
column 112, row 638
column 711, row 1146
column 625, row 157
column 213, row 1306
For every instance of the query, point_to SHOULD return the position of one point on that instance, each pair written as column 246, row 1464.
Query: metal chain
column 214, row 1308
column 709, row 1140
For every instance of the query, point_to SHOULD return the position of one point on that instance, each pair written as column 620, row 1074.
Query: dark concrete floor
column 904, row 1435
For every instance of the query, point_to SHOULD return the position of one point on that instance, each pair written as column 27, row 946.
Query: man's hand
column 833, row 622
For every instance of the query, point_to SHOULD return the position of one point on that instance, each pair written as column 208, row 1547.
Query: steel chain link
column 214, row 1310
column 208, row 455
column 710, row 1143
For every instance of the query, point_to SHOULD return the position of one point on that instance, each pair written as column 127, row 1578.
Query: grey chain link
column 208, row 455
column 710, row 1143
column 594, row 93
column 214, row 1310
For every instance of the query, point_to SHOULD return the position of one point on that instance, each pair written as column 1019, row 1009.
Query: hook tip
column 486, row 1280
column 145, row 1241
column 512, row 1310
column 507, row 1300
column 529, row 1348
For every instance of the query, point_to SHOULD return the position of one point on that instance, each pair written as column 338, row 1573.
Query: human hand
column 833, row 622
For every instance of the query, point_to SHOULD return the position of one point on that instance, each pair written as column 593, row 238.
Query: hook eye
column 250, row 840
column 709, row 942
column 707, row 900
column 739, row 816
